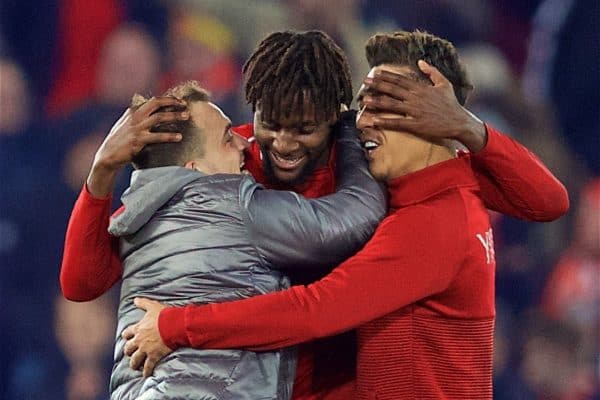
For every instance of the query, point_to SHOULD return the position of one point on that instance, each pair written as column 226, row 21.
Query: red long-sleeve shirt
column 422, row 289
column 512, row 181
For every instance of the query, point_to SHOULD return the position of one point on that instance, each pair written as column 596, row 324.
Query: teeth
column 370, row 145
column 286, row 159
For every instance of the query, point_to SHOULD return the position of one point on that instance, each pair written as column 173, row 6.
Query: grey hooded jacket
column 186, row 237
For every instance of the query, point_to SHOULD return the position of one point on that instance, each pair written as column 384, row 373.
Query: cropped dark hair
column 407, row 48
column 287, row 66
column 173, row 153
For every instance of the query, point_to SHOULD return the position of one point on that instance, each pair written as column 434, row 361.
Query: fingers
column 386, row 104
column 163, row 117
column 149, row 366
column 129, row 332
column 143, row 303
column 379, row 86
column 433, row 73
column 404, row 124
column 403, row 81
column 130, row 348
column 159, row 137
column 157, row 102
column 137, row 360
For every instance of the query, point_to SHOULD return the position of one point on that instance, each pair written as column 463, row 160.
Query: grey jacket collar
column 149, row 190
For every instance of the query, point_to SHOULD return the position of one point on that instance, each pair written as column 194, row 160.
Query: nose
column 284, row 142
column 364, row 119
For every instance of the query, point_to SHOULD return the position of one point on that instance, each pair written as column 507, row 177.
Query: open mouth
column 370, row 146
column 288, row 162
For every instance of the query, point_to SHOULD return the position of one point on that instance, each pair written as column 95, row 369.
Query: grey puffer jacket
column 186, row 237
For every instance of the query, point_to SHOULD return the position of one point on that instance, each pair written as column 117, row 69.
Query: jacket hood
column 149, row 190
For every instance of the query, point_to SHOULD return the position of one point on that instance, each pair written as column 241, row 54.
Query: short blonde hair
column 191, row 144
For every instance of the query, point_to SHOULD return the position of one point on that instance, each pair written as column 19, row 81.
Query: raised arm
column 91, row 262
column 513, row 180
column 290, row 230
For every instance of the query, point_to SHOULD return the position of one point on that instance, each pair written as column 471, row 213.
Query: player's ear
column 191, row 165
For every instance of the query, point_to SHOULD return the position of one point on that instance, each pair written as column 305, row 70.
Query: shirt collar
column 428, row 182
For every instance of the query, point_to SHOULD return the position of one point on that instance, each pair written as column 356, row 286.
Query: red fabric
column 521, row 186
column 91, row 263
column 427, row 275
column 84, row 25
column 515, row 182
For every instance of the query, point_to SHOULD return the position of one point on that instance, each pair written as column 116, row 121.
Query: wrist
column 474, row 134
column 100, row 181
column 171, row 327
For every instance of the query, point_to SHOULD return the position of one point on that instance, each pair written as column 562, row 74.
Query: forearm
column 515, row 182
column 382, row 278
column 473, row 134
column 90, row 264
column 101, row 180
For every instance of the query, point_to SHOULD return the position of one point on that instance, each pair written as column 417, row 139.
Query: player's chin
column 287, row 176
column 376, row 171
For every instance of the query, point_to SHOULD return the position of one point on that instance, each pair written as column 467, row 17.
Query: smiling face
column 222, row 148
column 392, row 154
column 292, row 146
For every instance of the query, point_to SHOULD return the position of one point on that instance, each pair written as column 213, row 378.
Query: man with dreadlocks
column 297, row 84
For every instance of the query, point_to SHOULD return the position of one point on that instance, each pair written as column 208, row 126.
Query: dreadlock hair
column 191, row 143
column 288, row 68
column 407, row 48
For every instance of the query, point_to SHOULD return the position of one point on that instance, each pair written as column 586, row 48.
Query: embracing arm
column 290, row 230
column 397, row 267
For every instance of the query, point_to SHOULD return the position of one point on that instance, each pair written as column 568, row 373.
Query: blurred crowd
column 68, row 69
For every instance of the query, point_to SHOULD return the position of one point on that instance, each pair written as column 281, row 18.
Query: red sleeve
column 91, row 263
column 396, row 268
column 514, row 181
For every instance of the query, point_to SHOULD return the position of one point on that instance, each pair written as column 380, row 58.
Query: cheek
column 262, row 136
column 316, row 142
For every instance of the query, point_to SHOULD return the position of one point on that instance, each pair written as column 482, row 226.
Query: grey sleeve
column 290, row 230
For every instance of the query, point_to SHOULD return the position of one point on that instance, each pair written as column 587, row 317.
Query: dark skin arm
column 429, row 111
column 127, row 137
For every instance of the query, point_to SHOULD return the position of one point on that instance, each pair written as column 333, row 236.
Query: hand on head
column 402, row 103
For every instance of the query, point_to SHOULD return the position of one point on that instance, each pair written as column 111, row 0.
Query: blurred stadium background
column 69, row 67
